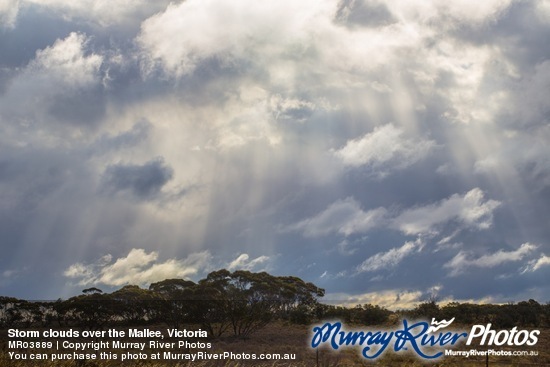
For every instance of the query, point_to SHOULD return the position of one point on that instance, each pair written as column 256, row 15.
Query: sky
column 387, row 151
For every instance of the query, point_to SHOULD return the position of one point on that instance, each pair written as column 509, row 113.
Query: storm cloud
column 382, row 150
column 143, row 181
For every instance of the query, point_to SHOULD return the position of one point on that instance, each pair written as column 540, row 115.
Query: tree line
column 240, row 303
column 504, row 316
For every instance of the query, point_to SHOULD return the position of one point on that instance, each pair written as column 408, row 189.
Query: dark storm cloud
column 83, row 108
column 34, row 30
column 40, row 192
column 520, row 30
column 143, row 181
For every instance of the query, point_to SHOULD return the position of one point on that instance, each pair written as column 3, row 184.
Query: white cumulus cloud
column 464, row 259
column 347, row 217
column 67, row 63
column 470, row 209
column 392, row 299
column 8, row 13
column 60, row 70
column 344, row 217
column 138, row 267
column 384, row 148
column 243, row 262
column 390, row 258
column 102, row 12
column 536, row 264
column 228, row 31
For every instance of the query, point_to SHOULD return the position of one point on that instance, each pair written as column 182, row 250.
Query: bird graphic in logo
column 439, row 325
